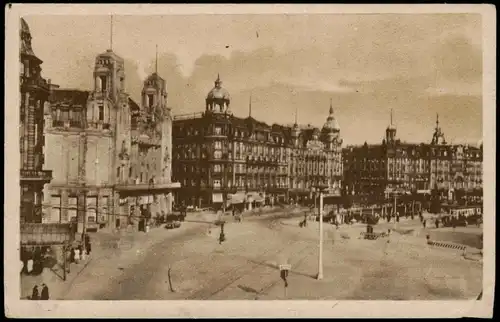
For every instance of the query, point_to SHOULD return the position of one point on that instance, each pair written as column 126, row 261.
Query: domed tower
column 155, row 110
column 390, row 132
column 438, row 136
column 331, row 128
column 218, row 99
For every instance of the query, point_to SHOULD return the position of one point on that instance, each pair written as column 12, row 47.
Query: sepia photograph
column 210, row 155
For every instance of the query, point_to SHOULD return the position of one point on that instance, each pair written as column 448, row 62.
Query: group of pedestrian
column 81, row 251
column 33, row 260
column 43, row 295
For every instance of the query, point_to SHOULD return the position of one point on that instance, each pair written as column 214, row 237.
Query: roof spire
column 296, row 114
column 250, row 106
column 331, row 106
column 391, row 116
column 218, row 81
column 156, row 61
column 111, row 33
column 437, row 120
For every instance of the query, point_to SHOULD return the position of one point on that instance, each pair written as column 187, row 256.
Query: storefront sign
column 217, row 197
column 46, row 234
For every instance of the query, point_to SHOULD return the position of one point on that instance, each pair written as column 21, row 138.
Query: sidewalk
column 109, row 249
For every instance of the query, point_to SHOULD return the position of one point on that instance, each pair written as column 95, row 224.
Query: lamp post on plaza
column 321, row 188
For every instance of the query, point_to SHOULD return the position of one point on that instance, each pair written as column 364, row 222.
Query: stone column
column 169, row 202
column 116, row 210
column 81, row 205
column 64, row 205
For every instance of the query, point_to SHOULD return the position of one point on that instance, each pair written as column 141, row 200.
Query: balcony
column 36, row 175
column 57, row 123
column 132, row 185
column 35, row 83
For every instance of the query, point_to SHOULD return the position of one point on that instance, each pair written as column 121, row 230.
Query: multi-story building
column 102, row 145
column 220, row 159
column 373, row 172
column 315, row 159
column 34, row 93
column 145, row 170
column 455, row 170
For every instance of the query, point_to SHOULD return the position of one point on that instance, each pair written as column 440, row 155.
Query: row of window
column 186, row 131
column 94, row 207
column 238, row 183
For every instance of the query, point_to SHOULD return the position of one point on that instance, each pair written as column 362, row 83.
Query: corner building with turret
column 110, row 155
column 222, row 160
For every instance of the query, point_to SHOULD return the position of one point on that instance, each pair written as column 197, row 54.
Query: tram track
column 224, row 280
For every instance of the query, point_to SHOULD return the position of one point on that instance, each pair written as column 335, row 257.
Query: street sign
column 285, row 267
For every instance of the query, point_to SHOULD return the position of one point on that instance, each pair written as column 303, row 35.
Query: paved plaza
column 189, row 263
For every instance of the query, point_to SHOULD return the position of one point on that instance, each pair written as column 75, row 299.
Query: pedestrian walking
column 45, row 292
column 424, row 223
column 437, row 223
column 83, row 253
column 72, row 255
column 29, row 265
column 77, row 255
column 88, row 245
column 34, row 293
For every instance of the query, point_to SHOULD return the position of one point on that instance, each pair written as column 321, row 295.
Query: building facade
column 221, row 159
column 93, row 141
column 374, row 172
column 34, row 93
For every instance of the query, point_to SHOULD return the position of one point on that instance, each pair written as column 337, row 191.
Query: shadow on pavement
column 277, row 267
column 248, row 289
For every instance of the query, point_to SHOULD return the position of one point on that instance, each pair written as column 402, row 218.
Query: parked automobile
column 173, row 224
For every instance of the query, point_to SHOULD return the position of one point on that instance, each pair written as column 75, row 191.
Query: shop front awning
column 236, row 198
column 255, row 197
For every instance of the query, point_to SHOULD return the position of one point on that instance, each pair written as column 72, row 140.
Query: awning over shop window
column 236, row 198
column 255, row 197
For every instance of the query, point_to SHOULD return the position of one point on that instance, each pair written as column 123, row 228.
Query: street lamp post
column 321, row 189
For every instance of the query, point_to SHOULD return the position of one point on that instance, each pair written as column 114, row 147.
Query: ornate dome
column 218, row 92
column 331, row 123
column 391, row 127
column 110, row 54
column 156, row 81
